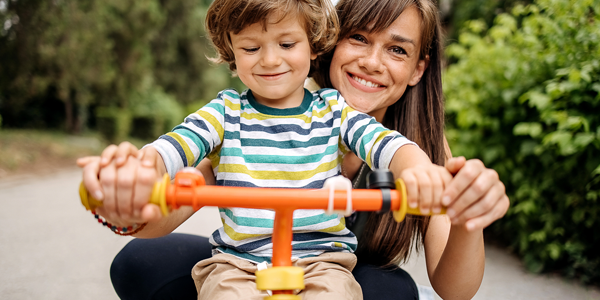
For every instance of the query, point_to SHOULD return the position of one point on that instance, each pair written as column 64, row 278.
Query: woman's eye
column 287, row 45
column 251, row 49
column 398, row 50
column 358, row 37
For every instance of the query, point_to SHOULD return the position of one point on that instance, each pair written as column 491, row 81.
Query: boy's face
column 274, row 63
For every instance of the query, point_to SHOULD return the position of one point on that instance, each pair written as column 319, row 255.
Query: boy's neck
column 298, row 106
column 290, row 101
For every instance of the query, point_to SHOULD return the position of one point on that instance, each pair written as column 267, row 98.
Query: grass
column 34, row 151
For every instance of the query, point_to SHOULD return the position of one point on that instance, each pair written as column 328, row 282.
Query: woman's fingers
column 83, row 161
column 108, row 177
column 454, row 164
column 485, row 212
column 477, row 191
column 107, row 155
column 125, row 150
column 463, row 179
column 151, row 213
column 91, row 169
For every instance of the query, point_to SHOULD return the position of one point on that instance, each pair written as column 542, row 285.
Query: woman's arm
column 454, row 247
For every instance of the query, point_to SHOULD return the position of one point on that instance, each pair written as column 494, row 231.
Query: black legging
column 161, row 269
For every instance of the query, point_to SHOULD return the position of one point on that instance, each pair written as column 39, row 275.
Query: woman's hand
column 425, row 185
column 124, row 183
column 475, row 197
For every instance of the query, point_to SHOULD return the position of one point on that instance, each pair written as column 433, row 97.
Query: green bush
column 154, row 113
column 113, row 123
column 524, row 96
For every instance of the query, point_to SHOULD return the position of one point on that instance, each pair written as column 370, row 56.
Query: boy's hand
column 425, row 185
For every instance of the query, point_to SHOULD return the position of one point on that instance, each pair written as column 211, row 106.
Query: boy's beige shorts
column 227, row 277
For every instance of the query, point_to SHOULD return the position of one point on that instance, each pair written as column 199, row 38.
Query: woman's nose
column 270, row 57
column 371, row 60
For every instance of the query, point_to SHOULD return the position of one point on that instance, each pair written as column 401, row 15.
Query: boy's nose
column 270, row 58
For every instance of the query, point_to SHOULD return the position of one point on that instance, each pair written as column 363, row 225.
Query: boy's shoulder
column 328, row 93
column 231, row 94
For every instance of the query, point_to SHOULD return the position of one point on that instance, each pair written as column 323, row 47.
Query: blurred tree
column 61, row 59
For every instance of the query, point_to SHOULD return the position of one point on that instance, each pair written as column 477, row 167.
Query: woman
column 388, row 64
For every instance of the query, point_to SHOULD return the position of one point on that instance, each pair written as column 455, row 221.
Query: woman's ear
column 419, row 70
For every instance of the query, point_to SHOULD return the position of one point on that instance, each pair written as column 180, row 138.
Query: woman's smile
column 364, row 83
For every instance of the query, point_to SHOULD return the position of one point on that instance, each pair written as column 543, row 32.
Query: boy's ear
column 419, row 70
column 313, row 56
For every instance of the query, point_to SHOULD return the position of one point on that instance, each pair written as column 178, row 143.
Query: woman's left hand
column 475, row 197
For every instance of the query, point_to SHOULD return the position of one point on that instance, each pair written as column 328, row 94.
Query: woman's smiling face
column 372, row 70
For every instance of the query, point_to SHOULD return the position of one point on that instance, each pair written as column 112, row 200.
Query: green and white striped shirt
column 253, row 145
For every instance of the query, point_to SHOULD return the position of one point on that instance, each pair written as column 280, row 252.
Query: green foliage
column 524, row 96
column 62, row 59
column 114, row 124
column 154, row 113
column 464, row 10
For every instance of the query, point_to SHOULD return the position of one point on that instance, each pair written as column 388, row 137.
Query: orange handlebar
column 189, row 189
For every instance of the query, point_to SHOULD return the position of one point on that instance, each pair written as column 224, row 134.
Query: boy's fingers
column 124, row 150
column 462, row 180
column 124, row 190
column 437, row 184
column 146, row 178
column 425, row 187
column 108, row 176
column 412, row 189
column 107, row 155
column 90, row 179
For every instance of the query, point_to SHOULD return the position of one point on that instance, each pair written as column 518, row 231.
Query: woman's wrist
column 120, row 230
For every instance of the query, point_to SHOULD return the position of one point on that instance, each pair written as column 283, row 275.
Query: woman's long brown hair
column 418, row 114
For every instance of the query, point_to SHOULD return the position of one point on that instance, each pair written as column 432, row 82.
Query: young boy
column 277, row 134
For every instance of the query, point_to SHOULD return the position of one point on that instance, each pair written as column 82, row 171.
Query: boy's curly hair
column 318, row 17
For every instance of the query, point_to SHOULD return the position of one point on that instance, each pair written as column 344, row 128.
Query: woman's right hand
column 123, row 182
column 475, row 197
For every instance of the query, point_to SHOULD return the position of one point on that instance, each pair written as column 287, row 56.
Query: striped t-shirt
column 253, row 145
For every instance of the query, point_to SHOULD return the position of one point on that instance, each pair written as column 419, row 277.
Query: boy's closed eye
column 251, row 49
column 289, row 45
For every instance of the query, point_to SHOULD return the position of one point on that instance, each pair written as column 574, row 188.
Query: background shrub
column 524, row 96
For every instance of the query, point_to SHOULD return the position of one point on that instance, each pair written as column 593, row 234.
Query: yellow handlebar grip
column 158, row 197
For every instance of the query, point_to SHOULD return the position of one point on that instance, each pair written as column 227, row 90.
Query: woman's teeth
column 365, row 83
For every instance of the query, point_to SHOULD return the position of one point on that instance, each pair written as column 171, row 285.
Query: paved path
column 51, row 248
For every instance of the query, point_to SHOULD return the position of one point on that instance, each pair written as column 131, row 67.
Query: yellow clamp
column 400, row 214
column 283, row 297
column 280, row 278
column 158, row 196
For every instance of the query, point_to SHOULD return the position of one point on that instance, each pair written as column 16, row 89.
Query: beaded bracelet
column 124, row 231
